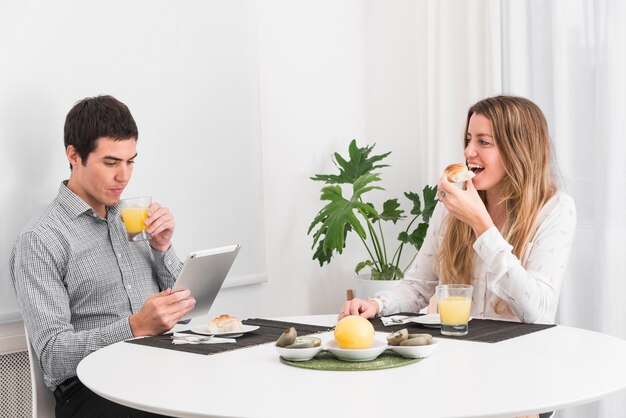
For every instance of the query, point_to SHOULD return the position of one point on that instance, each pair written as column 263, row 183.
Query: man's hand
column 161, row 311
column 366, row 309
column 160, row 225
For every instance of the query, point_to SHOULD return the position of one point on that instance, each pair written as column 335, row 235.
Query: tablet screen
column 203, row 274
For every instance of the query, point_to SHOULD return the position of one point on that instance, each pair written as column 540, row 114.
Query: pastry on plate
column 225, row 323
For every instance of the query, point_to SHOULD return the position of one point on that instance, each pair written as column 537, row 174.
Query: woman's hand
column 465, row 205
column 366, row 309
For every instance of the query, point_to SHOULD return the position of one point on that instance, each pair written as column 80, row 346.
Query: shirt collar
column 74, row 205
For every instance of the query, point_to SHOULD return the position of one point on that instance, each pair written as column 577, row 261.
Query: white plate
column 298, row 354
column 416, row 351
column 356, row 354
column 204, row 330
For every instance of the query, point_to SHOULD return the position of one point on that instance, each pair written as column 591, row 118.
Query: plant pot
column 366, row 288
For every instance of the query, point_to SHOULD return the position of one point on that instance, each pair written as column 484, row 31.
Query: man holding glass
column 81, row 284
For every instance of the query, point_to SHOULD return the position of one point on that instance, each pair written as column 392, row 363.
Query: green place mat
column 326, row 361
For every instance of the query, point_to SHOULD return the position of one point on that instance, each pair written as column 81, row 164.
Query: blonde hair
column 521, row 137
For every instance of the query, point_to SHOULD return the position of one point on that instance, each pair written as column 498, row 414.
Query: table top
column 546, row 370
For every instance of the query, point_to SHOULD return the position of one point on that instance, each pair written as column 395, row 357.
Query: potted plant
column 341, row 215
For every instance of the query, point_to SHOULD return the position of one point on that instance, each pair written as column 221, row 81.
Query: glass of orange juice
column 134, row 212
column 455, row 303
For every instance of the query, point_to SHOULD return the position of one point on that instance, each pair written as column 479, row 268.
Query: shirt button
column 118, row 255
column 129, row 287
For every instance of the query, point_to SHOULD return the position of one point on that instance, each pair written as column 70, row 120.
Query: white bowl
column 415, row 351
column 297, row 354
column 356, row 354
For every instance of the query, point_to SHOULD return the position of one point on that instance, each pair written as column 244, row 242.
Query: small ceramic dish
column 356, row 354
column 298, row 354
column 415, row 351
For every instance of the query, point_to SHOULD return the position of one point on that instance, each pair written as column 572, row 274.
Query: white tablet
column 203, row 274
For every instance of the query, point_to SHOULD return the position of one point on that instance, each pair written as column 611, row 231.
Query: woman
column 508, row 234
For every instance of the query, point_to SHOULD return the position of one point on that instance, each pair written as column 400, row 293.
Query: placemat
column 482, row 330
column 268, row 331
column 326, row 361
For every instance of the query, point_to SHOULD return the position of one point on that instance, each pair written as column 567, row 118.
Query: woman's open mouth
column 475, row 168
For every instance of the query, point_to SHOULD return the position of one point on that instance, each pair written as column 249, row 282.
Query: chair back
column 43, row 399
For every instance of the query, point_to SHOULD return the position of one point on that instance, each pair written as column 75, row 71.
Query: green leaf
column 397, row 273
column 360, row 163
column 416, row 238
column 362, row 185
column 322, row 256
column 335, row 220
column 389, row 272
column 404, row 237
column 328, row 178
column 417, row 204
column 430, row 201
column 391, row 211
column 362, row 265
column 373, row 214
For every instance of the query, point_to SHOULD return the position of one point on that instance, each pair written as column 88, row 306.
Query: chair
column 43, row 399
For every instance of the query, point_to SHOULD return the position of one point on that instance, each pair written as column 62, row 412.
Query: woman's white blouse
column 531, row 287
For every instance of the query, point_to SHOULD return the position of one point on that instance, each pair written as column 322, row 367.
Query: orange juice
column 455, row 310
column 134, row 219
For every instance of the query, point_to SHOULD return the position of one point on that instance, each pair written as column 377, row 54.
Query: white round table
column 546, row 370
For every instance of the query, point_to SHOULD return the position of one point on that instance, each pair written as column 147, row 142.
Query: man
column 80, row 283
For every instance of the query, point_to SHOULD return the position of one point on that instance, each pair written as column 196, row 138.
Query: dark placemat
column 326, row 361
column 268, row 331
column 482, row 330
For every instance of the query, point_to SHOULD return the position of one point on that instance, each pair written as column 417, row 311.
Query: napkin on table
column 182, row 338
column 395, row 320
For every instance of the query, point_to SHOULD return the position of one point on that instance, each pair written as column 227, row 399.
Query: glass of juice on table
column 134, row 213
column 455, row 303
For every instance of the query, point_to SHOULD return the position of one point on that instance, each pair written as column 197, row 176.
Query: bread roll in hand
column 458, row 174
column 225, row 323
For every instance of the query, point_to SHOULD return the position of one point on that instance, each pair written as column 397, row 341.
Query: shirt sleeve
column 168, row 267
column 531, row 290
column 37, row 274
column 413, row 292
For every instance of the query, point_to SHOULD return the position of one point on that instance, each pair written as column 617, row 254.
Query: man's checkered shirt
column 78, row 280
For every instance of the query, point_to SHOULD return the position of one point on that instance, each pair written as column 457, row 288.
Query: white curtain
column 460, row 63
column 569, row 57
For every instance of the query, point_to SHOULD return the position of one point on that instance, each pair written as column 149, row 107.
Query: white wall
column 331, row 72
column 174, row 66
column 312, row 104
column 327, row 72
column 190, row 75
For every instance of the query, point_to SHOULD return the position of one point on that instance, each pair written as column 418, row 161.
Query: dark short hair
column 97, row 117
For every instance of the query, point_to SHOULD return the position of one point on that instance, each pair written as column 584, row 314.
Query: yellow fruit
column 354, row 332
